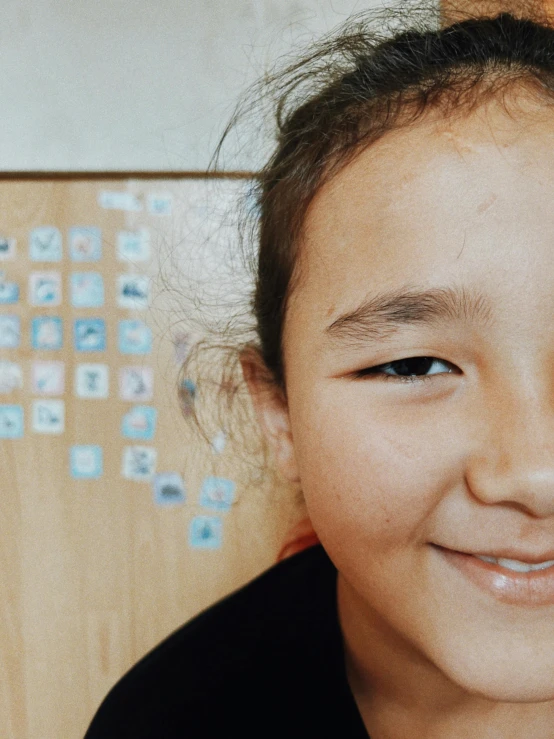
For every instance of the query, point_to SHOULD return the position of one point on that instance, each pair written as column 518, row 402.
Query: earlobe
column 271, row 409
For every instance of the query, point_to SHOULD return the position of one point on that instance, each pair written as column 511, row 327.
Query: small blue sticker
column 48, row 378
column 9, row 291
column 133, row 246
column 160, row 204
column 86, row 461
column 45, row 244
column 10, row 332
column 47, row 333
column 205, row 532
column 135, row 337
column 139, row 423
column 11, row 377
column 45, row 288
column 11, row 422
column 133, row 291
column 85, row 244
column 87, row 290
column 217, row 493
column 92, row 381
column 89, row 334
column 7, row 248
column 136, row 384
column 48, row 416
column 139, row 463
column 169, row 488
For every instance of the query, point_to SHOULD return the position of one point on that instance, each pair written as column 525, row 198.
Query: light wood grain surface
column 93, row 572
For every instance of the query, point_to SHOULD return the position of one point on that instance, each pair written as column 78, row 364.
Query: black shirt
column 265, row 662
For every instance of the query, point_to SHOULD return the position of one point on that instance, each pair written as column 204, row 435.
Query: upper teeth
column 515, row 564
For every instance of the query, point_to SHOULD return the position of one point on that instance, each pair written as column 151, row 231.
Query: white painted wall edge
column 139, row 85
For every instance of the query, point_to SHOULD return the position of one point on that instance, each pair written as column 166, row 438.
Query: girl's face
column 436, row 242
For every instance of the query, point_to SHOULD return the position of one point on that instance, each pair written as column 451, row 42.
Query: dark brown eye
column 409, row 368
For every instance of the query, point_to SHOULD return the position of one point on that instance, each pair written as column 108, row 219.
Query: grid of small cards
column 46, row 332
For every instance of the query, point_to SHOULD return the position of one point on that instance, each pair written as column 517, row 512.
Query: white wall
column 137, row 84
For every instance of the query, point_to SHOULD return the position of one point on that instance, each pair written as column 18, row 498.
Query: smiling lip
column 534, row 588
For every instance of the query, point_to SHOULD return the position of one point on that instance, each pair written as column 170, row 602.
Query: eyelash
column 379, row 370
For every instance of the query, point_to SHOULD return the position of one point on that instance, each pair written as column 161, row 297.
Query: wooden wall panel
column 94, row 573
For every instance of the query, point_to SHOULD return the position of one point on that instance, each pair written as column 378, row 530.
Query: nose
column 513, row 461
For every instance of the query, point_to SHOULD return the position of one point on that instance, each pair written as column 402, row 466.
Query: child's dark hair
column 364, row 97
column 380, row 72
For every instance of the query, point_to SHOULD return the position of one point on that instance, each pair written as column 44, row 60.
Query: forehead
column 406, row 205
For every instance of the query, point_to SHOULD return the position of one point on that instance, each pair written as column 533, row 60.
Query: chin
column 523, row 679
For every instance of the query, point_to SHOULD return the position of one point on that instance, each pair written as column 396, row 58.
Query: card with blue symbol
column 7, row 248
column 47, row 332
column 92, row 381
column 48, row 378
column 11, row 377
column 169, row 488
column 45, row 288
column 9, row 291
column 160, row 204
column 136, row 384
column 217, row 493
column 11, row 422
column 135, row 337
column 205, row 532
column 48, row 416
column 139, row 463
column 87, row 290
column 10, row 332
column 139, row 423
column 133, row 291
column 45, row 244
column 85, row 244
column 89, row 334
column 133, row 246
column 86, row 462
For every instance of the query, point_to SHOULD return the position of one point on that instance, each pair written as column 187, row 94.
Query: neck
column 400, row 692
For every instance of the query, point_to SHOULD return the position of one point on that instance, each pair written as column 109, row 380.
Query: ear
column 271, row 409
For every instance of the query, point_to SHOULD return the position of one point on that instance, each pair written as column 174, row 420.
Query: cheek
column 375, row 475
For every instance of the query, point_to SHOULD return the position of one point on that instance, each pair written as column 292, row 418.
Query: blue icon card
column 217, row 493
column 89, row 334
column 133, row 291
column 139, row 463
column 205, row 532
column 7, row 248
column 139, row 423
column 45, row 244
column 135, row 337
column 85, row 244
column 45, row 288
column 133, row 246
column 9, row 291
column 11, row 376
column 87, row 290
column 86, row 462
column 11, row 422
column 169, row 488
column 10, row 332
column 47, row 332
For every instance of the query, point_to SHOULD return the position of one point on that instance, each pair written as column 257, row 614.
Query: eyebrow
column 378, row 317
